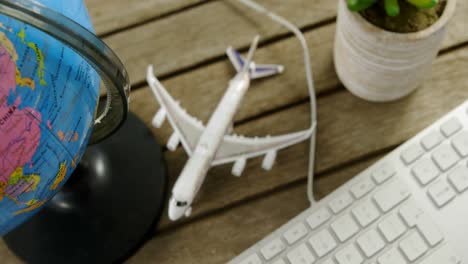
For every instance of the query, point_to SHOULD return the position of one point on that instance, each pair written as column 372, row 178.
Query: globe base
column 108, row 208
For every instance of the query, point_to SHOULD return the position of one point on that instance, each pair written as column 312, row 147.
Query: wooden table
column 186, row 39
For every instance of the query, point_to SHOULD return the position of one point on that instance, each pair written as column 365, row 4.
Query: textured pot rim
column 441, row 22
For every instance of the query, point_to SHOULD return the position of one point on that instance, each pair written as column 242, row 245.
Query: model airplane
column 212, row 145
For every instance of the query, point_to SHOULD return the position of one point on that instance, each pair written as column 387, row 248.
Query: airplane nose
column 176, row 212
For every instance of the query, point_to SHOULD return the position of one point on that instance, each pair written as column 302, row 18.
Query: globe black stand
column 107, row 209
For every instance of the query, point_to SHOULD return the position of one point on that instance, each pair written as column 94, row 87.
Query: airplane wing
column 187, row 129
column 233, row 149
column 238, row 149
column 257, row 71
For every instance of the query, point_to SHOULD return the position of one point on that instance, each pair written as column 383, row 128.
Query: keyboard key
column 393, row 194
column 328, row 261
column 318, row 218
column 349, row 255
column 413, row 246
column 301, row 255
column 279, row 261
column 366, row 213
column 295, row 233
column 345, row 227
column 371, row 243
column 445, row 157
column 459, row 178
column 341, row 202
column 460, row 143
column 432, row 139
column 383, row 173
column 430, row 231
column 411, row 213
column 451, row 127
column 441, row 193
column 393, row 256
column 273, row 248
column 412, row 153
column 362, row 188
column 253, row 259
column 392, row 228
column 443, row 255
column 425, row 171
column 323, row 243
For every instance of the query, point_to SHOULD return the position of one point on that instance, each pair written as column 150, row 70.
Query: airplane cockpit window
column 181, row 204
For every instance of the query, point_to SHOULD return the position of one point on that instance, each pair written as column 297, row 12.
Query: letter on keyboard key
column 295, row 233
column 460, row 142
column 443, row 255
column 349, row 255
column 441, row 193
column 413, row 246
column 345, row 227
column 392, row 228
column 411, row 213
column 459, row 178
column 301, row 255
column 445, row 157
column 362, row 188
column 393, row 256
column 371, row 243
column 318, row 218
column 322, row 243
column 425, row 171
column 451, row 127
column 430, row 231
column 366, row 213
column 341, row 202
column 393, row 194
column 273, row 248
column 383, row 173
column 253, row 259
column 412, row 153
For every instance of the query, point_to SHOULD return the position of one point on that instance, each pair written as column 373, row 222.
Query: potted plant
column 384, row 49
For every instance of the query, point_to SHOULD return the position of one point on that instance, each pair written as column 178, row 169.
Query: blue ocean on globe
column 48, row 98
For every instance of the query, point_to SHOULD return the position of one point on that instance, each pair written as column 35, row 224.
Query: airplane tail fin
column 256, row 71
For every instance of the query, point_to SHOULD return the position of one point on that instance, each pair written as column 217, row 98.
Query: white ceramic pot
column 380, row 65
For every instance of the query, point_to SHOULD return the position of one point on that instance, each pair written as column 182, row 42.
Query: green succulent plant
column 392, row 7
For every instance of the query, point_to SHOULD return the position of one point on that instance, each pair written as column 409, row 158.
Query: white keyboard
column 410, row 207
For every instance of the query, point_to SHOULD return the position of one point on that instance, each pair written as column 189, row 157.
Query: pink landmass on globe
column 20, row 131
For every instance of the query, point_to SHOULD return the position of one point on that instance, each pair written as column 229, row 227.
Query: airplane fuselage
column 195, row 170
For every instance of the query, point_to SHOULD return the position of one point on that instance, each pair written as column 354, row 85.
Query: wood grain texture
column 200, row 90
column 196, row 36
column 203, row 33
column 111, row 15
column 349, row 129
column 220, row 237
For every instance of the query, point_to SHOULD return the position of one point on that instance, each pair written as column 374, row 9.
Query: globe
column 48, row 102
column 77, row 183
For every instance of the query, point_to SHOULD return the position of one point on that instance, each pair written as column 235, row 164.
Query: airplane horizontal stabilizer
column 256, row 71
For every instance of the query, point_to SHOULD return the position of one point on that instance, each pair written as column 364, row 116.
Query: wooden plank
column 220, row 237
column 349, row 128
column 199, row 91
column 112, row 15
column 200, row 34
column 7, row 256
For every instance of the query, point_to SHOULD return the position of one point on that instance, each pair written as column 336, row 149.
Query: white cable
column 310, row 84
